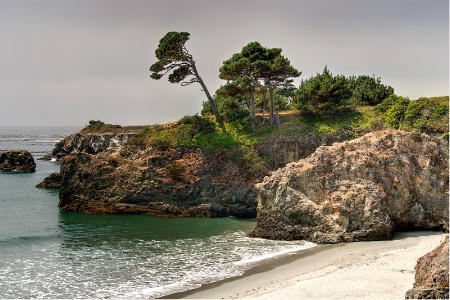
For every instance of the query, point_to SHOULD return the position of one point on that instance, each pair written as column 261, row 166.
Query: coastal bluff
column 135, row 178
column 363, row 189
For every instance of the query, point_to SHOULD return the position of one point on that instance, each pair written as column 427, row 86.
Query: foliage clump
column 325, row 94
column 423, row 115
column 99, row 126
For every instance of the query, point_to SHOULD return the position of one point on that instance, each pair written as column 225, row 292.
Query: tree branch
column 185, row 83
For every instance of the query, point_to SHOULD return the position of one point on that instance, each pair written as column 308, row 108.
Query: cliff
column 168, row 182
column 431, row 280
column 357, row 190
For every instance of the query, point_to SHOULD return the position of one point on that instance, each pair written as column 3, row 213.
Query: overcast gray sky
column 65, row 62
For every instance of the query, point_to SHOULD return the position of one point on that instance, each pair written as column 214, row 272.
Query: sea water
column 49, row 253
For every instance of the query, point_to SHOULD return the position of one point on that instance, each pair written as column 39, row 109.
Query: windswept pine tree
column 174, row 58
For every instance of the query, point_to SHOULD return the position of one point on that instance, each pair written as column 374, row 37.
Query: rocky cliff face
column 432, row 275
column 91, row 143
column 17, row 161
column 362, row 189
column 167, row 182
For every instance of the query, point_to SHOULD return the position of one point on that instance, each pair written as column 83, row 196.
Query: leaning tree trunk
column 210, row 99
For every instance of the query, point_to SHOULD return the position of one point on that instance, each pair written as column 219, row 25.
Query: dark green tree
column 369, row 90
column 239, row 71
column 323, row 94
column 174, row 58
column 255, row 64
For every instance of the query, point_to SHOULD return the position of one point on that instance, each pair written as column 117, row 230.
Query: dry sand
column 363, row 270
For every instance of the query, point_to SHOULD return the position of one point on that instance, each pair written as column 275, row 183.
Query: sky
column 65, row 62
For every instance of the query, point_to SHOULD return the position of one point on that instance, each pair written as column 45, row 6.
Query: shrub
column 198, row 124
column 426, row 115
column 323, row 94
column 175, row 170
column 395, row 115
column 99, row 126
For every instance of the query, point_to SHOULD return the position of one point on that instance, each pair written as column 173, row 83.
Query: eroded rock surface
column 17, row 161
column 53, row 181
column 363, row 189
column 167, row 182
column 432, row 275
column 91, row 143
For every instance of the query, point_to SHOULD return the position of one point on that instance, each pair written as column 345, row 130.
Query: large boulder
column 17, row 161
column 363, row 189
column 432, row 275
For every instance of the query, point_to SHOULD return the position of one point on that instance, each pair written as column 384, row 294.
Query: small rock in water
column 17, row 161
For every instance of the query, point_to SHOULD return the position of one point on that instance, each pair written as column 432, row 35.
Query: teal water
column 49, row 253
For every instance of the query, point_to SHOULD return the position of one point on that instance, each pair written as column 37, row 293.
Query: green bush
column 99, row 126
column 426, row 115
column 198, row 124
column 369, row 90
column 422, row 115
column 395, row 115
column 323, row 94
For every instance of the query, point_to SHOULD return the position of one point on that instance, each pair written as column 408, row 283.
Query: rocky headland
column 17, row 161
column 101, row 175
column 363, row 189
column 168, row 182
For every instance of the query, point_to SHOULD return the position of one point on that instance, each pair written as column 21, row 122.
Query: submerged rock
column 51, row 182
column 432, row 275
column 363, row 189
column 17, row 161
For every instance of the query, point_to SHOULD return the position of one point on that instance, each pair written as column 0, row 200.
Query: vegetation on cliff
column 100, row 127
column 259, row 79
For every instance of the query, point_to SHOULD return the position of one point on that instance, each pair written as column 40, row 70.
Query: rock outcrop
column 90, row 142
column 51, row 182
column 432, row 275
column 357, row 190
column 17, row 161
column 166, row 182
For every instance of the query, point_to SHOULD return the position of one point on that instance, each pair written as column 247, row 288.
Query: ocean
column 49, row 253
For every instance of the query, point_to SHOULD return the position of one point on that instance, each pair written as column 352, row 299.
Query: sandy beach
column 363, row 270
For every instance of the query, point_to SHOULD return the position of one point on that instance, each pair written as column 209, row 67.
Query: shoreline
column 370, row 270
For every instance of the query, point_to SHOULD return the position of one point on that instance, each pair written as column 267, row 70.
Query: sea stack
column 17, row 161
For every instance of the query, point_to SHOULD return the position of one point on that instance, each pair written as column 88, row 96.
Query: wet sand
column 363, row 270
